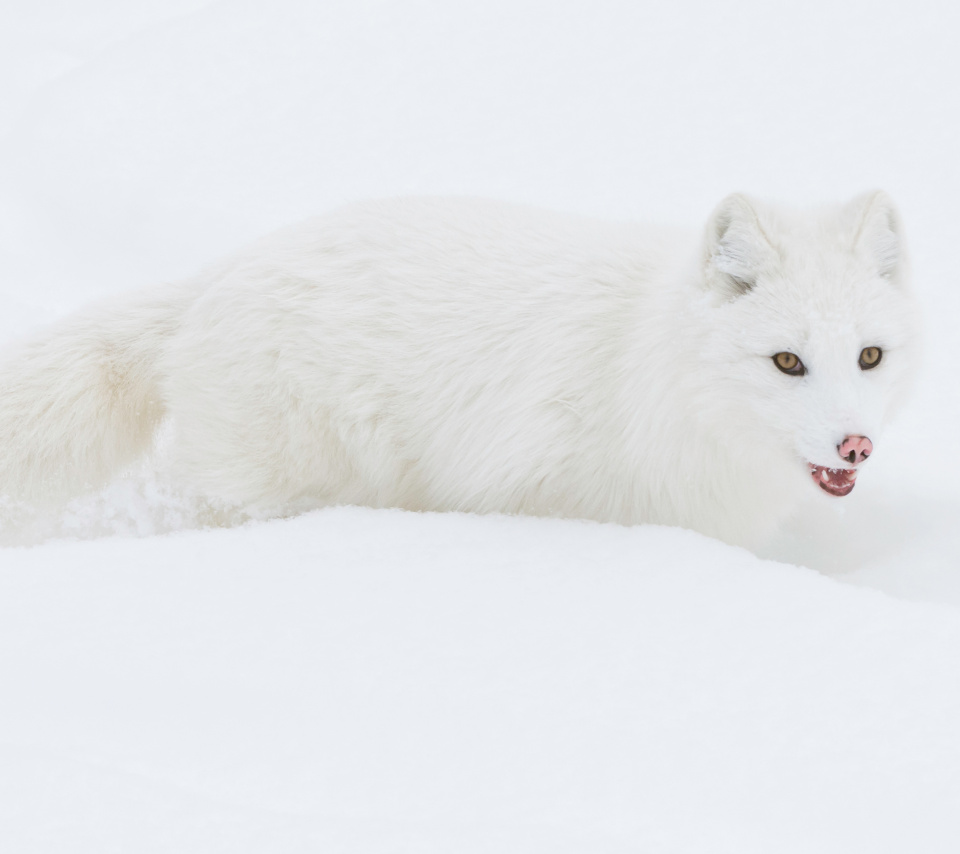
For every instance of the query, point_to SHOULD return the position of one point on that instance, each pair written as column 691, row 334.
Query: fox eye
column 870, row 357
column 789, row 364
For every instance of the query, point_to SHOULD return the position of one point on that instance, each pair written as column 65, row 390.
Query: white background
column 377, row 681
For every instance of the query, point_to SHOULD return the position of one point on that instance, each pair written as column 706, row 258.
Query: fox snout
column 855, row 449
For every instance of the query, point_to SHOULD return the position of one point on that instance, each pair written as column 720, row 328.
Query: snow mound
column 357, row 678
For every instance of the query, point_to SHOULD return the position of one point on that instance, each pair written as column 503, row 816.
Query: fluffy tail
column 82, row 400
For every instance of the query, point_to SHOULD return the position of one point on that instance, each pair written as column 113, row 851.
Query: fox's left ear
column 879, row 234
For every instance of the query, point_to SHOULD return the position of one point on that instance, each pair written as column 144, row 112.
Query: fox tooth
column 824, row 475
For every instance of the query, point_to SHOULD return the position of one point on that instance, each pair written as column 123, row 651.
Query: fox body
column 442, row 354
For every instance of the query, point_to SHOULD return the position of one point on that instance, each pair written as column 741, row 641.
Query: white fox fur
column 441, row 354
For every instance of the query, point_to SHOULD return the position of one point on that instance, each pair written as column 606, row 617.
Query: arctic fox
column 462, row 355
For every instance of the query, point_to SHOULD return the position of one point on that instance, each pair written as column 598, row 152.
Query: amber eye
column 789, row 364
column 870, row 357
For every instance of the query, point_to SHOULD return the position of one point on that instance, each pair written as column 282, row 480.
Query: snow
column 366, row 681
column 354, row 680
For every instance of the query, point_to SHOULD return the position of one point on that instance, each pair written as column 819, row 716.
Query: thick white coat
column 443, row 354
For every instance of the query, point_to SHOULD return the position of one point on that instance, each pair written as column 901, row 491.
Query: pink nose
column 855, row 449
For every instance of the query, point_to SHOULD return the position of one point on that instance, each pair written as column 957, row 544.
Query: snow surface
column 369, row 681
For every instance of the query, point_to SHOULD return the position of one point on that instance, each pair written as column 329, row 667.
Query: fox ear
column 879, row 234
column 735, row 247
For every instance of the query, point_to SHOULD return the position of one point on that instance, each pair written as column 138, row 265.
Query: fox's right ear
column 735, row 246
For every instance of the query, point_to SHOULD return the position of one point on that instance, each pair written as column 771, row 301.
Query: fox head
column 811, row 319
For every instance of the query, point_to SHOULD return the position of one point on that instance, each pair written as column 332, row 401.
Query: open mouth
column 834, row 481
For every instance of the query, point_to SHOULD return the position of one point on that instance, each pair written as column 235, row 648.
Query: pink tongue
column 836, row 481
column 837, row 477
